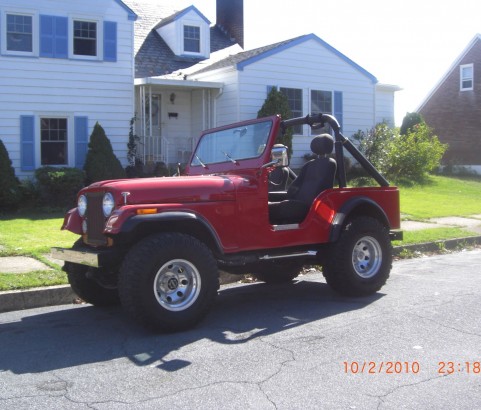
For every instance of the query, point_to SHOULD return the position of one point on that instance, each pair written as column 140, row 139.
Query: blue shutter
column 110, row 41
column 61, row 37
column 27, row 142
column 53, row 36
column 338, row 110
column 46, row 36
column 81, row 137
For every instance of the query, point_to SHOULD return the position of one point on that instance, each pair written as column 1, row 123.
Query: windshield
column 230, row 145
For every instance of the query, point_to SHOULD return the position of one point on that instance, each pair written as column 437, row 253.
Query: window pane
column 19, row 33
column 85, row 38
column 53, row 146
column 192, row 39
column 321, row 102
column 294, row 98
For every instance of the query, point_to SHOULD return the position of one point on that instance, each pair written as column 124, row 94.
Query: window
column 294, row 98
column 19, row 33
column 85, row 38
column 321, row 102
column 466, row 73
column 466, row 77
column 53, row 141
column 192, row 39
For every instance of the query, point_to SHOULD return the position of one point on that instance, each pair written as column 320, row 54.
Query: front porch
column 170, row 115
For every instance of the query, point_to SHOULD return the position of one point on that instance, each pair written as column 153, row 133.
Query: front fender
column 137, row 226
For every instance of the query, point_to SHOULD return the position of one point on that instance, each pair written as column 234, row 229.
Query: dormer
column 187, row 33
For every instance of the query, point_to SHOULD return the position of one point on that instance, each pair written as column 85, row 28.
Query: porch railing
column 152, row 149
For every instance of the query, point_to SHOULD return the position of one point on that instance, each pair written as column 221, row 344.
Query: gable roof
column 179, row 14
column 456, row 63
column 131, row 15
column 243, row 59
column 153, row 57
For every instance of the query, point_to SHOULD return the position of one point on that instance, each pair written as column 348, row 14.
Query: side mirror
column 279, row 154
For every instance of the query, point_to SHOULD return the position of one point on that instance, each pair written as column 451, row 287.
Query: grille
column 95, row 219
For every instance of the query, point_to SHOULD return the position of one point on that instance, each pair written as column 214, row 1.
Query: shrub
column 402, row 158
column 58, row 187
column 10, row 192
column 277, row 103
column 414, row 155
column 410, row 120
column 101, row 162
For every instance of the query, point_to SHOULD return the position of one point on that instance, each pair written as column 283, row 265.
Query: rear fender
column 356, row 207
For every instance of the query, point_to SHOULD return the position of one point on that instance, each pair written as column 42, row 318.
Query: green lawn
column 33, row 234
column 442, row 197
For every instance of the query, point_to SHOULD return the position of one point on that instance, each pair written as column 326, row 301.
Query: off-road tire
column 168, row 282
column 81, row 279
column 359, row 263
column 274, row 272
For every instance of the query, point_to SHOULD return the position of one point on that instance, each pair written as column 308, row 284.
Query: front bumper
column 96, row 258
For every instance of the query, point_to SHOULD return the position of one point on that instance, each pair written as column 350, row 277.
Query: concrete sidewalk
column 57, row 295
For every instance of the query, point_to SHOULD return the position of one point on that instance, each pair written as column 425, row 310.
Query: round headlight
column 82, row 205
column 108, row 204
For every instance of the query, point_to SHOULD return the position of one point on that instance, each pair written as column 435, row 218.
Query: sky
column 409, row 43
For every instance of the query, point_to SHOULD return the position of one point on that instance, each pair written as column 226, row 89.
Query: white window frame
column 35, row 33
column 462, row 78
column 99, row 39
column 183, row 39
column 70, row 137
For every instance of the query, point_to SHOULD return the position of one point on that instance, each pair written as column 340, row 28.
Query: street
column 414, row 345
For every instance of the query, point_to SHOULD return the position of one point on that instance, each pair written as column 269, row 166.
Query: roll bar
column 317, row 121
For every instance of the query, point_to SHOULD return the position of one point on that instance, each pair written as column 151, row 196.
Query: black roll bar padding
column 340, row 142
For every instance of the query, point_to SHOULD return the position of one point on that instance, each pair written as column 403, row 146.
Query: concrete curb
column 63, row 295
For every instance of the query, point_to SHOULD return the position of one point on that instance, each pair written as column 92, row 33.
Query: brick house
column 453, row 108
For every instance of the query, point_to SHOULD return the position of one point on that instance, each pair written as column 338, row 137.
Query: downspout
column 219, row 94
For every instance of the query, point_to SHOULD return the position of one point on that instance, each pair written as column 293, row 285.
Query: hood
column 168, row 189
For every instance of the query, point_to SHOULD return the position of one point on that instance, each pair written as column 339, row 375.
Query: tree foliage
column 10, row 190
column 410, row 120
column 277, row 103
column 402, row 158
column 101, row 162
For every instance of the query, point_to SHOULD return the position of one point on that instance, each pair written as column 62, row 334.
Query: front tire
column 360, row 262
column 88, row 285
column 168, row 281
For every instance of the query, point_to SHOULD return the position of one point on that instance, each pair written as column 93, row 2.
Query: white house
column 223, row 85
column 64, row 65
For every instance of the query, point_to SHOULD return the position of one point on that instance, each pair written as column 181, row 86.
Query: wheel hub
column 177, row 285
column 367, row 257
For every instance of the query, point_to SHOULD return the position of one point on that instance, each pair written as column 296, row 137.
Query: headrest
column 322, row 144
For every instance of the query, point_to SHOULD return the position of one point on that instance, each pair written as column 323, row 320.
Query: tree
column 409, row 121
column 10, row 190
column 101, row 162
column 277, row 103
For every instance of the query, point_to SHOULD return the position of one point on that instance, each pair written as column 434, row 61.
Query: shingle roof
column 153, row 57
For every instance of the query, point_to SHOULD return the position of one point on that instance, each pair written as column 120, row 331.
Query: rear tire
column 168, row 282
column 359, row 263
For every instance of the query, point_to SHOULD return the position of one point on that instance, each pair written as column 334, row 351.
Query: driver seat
column 316, row 176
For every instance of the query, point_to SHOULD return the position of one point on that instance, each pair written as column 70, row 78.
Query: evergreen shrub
column 10, row 191
column 101, row 163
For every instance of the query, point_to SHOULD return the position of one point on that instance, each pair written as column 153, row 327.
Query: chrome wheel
column 366, row 257
column 177, row 285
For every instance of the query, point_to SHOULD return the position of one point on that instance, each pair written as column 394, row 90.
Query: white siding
column 307, row 66
column 385, row 107
column 102, row 91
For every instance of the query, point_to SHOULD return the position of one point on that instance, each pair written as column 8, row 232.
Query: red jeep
column 156, row 245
